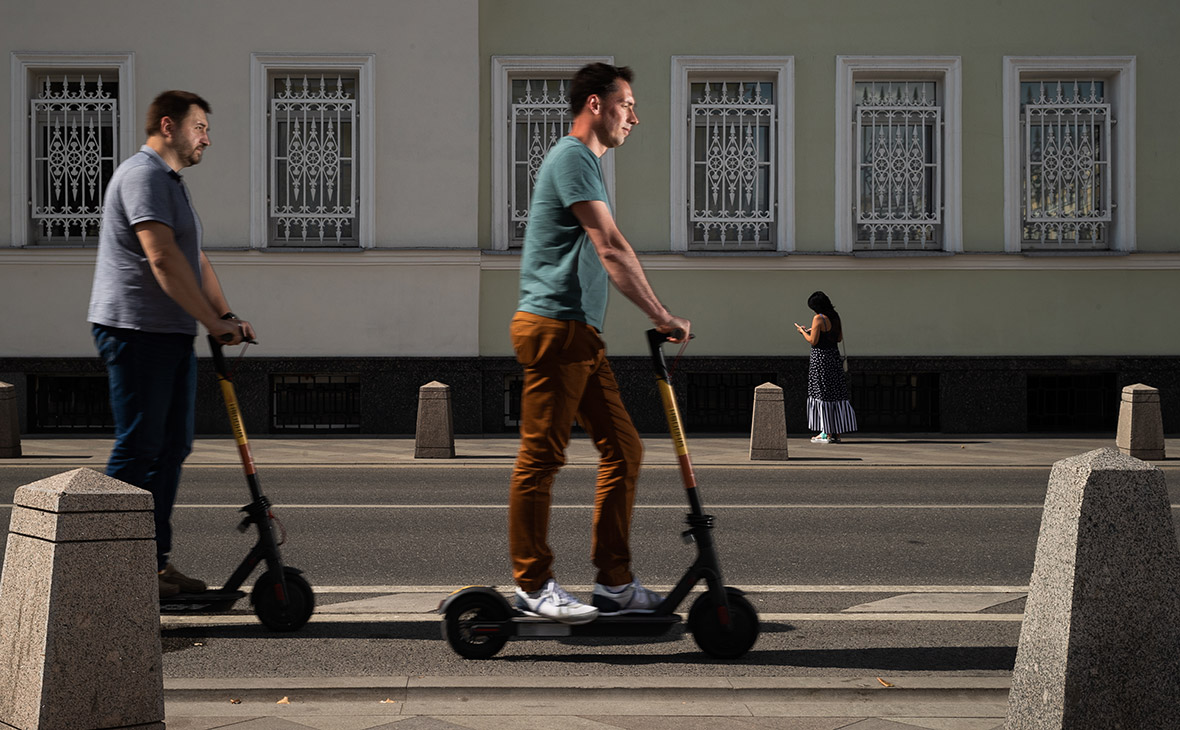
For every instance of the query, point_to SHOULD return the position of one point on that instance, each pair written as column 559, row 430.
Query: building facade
column 982, row 193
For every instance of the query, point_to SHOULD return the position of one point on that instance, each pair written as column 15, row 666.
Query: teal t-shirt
column 561, row 276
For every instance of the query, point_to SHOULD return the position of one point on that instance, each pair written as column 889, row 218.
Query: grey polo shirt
column 125, row 293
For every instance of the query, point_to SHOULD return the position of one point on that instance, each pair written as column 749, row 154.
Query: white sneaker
column 631, row 598
column 553, row 602
column 822, row 438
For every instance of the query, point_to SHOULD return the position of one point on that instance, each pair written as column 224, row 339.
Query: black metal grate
column 69, row 404
column 1072, row 402
column 721, row 402
column 895, row 401
column 315, row 403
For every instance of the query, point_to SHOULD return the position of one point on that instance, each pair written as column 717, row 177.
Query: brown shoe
column 184, row 583
column 167, row 590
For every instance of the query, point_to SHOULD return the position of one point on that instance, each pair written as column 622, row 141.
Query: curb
column 548, row 690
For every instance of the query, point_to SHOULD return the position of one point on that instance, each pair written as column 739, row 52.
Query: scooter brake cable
column 676, row 359
column 239, row 357
column 282, row 528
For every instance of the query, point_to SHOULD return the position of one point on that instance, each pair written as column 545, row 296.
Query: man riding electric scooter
column 572, row 251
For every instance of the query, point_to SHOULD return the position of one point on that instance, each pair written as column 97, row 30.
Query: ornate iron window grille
column 899, row 166
column 733, row 126
column 538, row 118
column 1066, row 181
column 313, row 128
column 74, row 131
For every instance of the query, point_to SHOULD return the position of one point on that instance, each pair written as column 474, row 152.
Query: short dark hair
column 175, row 105
column 596, row 79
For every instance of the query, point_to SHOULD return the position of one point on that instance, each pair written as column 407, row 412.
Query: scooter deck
column 634, row 624
column 206, row 602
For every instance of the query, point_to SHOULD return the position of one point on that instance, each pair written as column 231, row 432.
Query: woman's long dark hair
column 819, row 303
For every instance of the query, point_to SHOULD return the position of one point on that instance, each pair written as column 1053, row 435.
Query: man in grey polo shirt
column 152, row 284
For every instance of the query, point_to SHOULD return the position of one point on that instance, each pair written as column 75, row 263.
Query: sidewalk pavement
column 935, row 702
column 589, row 703
column 858, row 450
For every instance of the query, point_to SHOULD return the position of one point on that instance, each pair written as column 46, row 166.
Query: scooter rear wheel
column 713, row 638
column 300, row 601
column 467, row 610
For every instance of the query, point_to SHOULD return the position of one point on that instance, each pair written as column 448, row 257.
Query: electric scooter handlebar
column 655, row 342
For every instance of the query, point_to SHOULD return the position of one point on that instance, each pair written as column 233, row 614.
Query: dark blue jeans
column 153, row 379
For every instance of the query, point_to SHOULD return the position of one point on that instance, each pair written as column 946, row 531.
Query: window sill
column 57, row 246
column 1047, row 253
column 308, row 249
column 901, row 253
column 762, row 253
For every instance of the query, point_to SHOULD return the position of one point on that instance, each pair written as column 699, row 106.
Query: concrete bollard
column 1141, row 424
column 435, row 433
column 1100, row 642
column 9, row 423
column 768, row 428
column 79, row 608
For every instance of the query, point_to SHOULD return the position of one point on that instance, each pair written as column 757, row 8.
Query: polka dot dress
column 828, row 406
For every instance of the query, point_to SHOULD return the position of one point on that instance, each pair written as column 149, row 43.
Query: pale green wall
column 969, row 313
column 645, row 35
column 1032, row 307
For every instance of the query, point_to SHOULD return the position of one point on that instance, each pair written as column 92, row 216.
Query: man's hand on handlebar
column 678, row 329
column 230, row 332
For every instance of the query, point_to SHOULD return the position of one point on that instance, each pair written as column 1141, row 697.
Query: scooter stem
column 655, row 341
column 229, row 395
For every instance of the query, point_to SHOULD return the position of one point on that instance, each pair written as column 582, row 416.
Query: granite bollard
column 9, row 423
column 79, row 608
column 1141, row 423
column 1100, row 642
column 435, row 433
column 768, row 427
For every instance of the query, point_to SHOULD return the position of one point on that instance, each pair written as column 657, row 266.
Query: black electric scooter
column 282, row 598
column 478, row 620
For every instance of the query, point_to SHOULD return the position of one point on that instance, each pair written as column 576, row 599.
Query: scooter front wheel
column 460, row 624
column 268, row 604
column 715, row 639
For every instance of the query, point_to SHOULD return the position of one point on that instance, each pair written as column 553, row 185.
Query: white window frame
column 505, row 69
column 1118, row 72
column 262, row 65
column 781, row 70
column 23, row 67
column 947, row 71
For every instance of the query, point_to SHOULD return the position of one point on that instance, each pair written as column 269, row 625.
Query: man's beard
column 191, row 155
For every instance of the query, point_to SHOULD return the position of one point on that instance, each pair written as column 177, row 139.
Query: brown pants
column 566, row 374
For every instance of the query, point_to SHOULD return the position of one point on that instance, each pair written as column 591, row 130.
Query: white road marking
column 323, row 616
column 415, row 604
column 834, row 588
column 237, row 506
column 962, row 602
column 678, row 507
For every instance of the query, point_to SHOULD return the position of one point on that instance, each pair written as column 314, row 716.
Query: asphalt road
column 411, row 526
column 441, row 527
column 429, row 526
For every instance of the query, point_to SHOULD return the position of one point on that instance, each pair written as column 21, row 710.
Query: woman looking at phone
column 828, row 408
